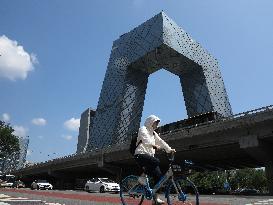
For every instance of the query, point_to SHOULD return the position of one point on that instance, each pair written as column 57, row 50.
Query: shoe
column 142, row 180
column 158, row 200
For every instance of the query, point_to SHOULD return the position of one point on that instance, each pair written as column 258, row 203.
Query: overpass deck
column 238, row 141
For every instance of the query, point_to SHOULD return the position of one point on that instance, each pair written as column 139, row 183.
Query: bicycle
column 178, row 188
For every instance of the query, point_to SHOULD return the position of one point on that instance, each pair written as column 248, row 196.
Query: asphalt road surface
column 10, row 196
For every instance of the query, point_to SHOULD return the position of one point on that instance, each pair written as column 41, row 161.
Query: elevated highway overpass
column 238, row 141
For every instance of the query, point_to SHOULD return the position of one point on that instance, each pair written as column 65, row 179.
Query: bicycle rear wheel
column 131, row 192
column 184, row 192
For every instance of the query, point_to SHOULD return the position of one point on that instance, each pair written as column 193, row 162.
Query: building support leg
column 269, row 176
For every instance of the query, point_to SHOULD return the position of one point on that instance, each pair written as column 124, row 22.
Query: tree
column 249, row 178
column 241, row 178
column 9, row 143
column 209, row 180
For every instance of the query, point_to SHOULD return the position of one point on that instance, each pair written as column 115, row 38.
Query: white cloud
column 20, row 131
column 67, row 137
column 39, row 121
column 6, row 117
column 29, row 152
column 40, row 137
column 72, row 124
column 15, row 62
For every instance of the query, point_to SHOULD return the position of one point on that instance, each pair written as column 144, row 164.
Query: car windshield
column 106, row 180
column 42, row 181
column 10, row 181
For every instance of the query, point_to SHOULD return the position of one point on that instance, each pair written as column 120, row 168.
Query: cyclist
column 147, row 142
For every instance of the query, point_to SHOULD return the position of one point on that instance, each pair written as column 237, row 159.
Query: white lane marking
column 18, row 198
column 3, row 195
column 7, row 198
column 263, row 202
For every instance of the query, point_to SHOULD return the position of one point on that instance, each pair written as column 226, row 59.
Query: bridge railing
column 67, row 158
column 250, row 112
column 229, row 118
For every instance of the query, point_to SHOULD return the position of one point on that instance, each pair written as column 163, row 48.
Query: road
column 10, row 196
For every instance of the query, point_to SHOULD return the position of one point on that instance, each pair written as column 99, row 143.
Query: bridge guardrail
column 229, row 118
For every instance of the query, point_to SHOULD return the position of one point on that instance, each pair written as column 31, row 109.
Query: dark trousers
column 151, row 165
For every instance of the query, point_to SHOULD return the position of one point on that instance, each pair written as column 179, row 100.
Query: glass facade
column 84, row 130
column 157, row 43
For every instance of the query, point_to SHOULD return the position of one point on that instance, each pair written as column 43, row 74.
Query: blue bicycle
column 177, row 187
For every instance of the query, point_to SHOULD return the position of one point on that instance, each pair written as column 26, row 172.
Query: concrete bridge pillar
column 262, row 152
column 269, row 176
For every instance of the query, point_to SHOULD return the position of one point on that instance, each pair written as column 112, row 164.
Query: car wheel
column 102, row 189
column 38, row 187
column 31, row 188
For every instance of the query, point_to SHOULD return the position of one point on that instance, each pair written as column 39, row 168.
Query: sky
column 54, row 54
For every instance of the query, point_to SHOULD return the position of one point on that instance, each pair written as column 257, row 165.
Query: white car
column 6, row 184
column 41, row 184
column 102, row 185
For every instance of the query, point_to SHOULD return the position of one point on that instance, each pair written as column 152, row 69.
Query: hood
column 43, row 184
column 150, row 120
column 111, row 184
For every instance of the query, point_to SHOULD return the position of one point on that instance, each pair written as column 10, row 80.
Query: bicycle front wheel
column 182, row 191
column 131, row 192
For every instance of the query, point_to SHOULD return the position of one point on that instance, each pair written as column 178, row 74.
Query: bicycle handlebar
column 171, row 158
column 188, row 162
column 170, row 155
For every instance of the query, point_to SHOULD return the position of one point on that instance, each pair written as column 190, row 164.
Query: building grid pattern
column 157, row 43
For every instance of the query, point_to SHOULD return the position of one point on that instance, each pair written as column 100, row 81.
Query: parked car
column 102, row 185
column 41, row 184
column 6, row 180
column 18, row 184
column 6, row 184
column 246, row 191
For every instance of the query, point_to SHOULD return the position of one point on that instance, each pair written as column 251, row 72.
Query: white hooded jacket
column 149, row 138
